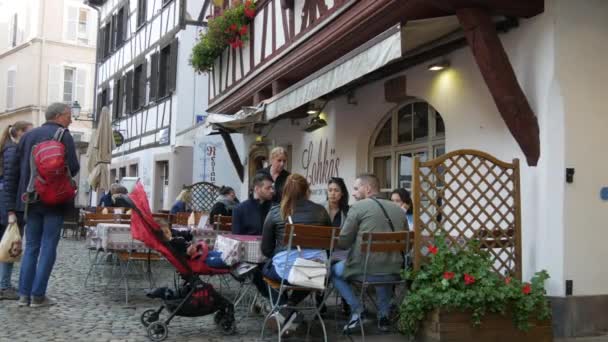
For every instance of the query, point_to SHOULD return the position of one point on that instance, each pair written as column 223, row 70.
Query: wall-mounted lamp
column 315, row 123
column 438, row 66
column 76, row 113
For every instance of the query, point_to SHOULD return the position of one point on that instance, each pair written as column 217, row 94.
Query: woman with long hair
column 295, row 205
column 9, row 139
column 182, row 202
column 402, row 198
column 337, row 201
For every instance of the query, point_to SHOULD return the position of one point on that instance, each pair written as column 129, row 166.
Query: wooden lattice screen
column 204, row 195
column 469, row 195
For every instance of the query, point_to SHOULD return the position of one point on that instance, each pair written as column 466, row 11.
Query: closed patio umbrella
column 100, row 153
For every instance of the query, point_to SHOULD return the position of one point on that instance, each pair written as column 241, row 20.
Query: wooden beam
column 498, row 73
column 279, row 85
column 234, row 155
column 513, row 8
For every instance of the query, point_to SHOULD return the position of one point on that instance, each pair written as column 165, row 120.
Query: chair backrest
column 182, row 218
column 223, row 223
column 309, row 236
column 163, row 219
column 110, row 210
column 91, row 220
column 385, row 242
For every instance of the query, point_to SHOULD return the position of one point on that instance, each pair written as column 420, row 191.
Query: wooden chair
column 303, row 236
column 110, row 210
column 222, row 223
column 182, row 218
column 382, row 242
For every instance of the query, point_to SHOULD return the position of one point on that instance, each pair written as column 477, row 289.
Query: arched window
column 414, row 129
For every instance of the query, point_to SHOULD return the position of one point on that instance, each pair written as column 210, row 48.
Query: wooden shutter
column 55, row 84
column 80, row 84
column 114, row 34
column 154, row 59
column 99, row 104
column 172, row 77
column 129, row 92
column 123, row 93
column 72, row 24
column 11, row 86
column 125, row 22
column 116, row 100
column 143, row 80
column 100, row 44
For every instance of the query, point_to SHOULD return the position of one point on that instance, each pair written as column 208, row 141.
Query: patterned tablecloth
column 117, row 236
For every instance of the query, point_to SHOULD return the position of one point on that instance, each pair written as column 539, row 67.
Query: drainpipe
column 40, row 63
column 97, row 59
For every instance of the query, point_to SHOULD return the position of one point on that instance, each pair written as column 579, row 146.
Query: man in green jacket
column 367, row 215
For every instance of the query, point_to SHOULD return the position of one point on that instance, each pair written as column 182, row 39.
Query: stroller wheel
column 148, row 317
column 158, row 331
column 228, row 326
column 218, row 317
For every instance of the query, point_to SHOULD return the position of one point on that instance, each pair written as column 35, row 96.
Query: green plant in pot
column 228, row 29
column 462, row 279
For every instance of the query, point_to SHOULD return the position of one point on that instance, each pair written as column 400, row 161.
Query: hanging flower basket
column 229, row 29
column 457, row 296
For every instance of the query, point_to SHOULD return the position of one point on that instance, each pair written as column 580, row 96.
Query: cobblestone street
column 99, row 315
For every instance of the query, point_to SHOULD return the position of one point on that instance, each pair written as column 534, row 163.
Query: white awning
column 372, row 55
column 242, row 122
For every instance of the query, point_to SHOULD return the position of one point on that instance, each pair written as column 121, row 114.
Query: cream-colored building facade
column 47, row 54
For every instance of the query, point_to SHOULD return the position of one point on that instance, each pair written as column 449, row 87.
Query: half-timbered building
column 350, row 86
column 144, row 77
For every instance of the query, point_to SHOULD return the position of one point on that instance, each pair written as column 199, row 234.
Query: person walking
column 8, row 158
column 44, row 221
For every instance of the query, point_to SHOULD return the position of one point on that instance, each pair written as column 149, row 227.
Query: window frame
column 73, row 81
column 395, row 149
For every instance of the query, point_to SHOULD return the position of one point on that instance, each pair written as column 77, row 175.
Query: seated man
column 106, row 199
column 367, row 215
column 248, row 217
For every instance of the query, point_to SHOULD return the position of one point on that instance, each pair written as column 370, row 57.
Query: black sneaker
column 384, row 324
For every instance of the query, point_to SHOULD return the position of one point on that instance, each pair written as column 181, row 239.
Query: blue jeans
column 6, row 271
column 41, row 238
column 383, row 293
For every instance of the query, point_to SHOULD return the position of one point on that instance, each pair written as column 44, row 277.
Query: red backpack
column 51, row 179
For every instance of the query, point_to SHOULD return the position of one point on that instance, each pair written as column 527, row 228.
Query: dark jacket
column 248, row 217
column 305, row 212
column 21, row 171
column 7, row 180
column 180, row 207
column 106, row 200
column 278, row 183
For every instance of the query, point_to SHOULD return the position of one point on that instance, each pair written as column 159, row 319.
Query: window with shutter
column 143, row 81
column 129, row 92
column 141, row 12
column 164, row 66
column 54, row 87
column 139, row 80
column 154, row 60
column 100, row 40
column 120, row 28
column 69, row 78
column 123, row 94
column 172, row 78
column 114, row 32
column 83, row 22
column 11, row 88
column 107, row 37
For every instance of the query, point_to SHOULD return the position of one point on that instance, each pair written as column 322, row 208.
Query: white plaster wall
column 472, row 121
column 581, row 29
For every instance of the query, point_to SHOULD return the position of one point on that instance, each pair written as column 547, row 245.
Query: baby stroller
column 194, row 298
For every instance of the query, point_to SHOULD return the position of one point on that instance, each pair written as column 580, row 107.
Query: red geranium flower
column 249, row 13
column 508, row 280
column 233, row 27
column 248, row 3
column 468, row 279
column 526, row 289
column 448, row 275
column 433, row 249
column 243, row 30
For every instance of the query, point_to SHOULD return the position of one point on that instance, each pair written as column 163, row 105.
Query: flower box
column 442, row 325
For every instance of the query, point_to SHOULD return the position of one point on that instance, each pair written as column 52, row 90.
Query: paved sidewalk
column 87, row 315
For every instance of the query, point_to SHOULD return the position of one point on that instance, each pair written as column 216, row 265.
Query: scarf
column 230, row 204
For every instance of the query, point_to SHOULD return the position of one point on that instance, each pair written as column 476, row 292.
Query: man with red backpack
column 45, row 191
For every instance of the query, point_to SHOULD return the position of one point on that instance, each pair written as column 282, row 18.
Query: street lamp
column 76, row 112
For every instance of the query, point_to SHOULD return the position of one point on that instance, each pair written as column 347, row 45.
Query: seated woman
column 182, row 202
column 402, row 198
column 337, row 201
column 224, row 204
column 294, row 204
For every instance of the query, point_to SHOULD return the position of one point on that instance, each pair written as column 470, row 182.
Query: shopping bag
column 230, row 248
column 10, row 245
column 308, row 273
